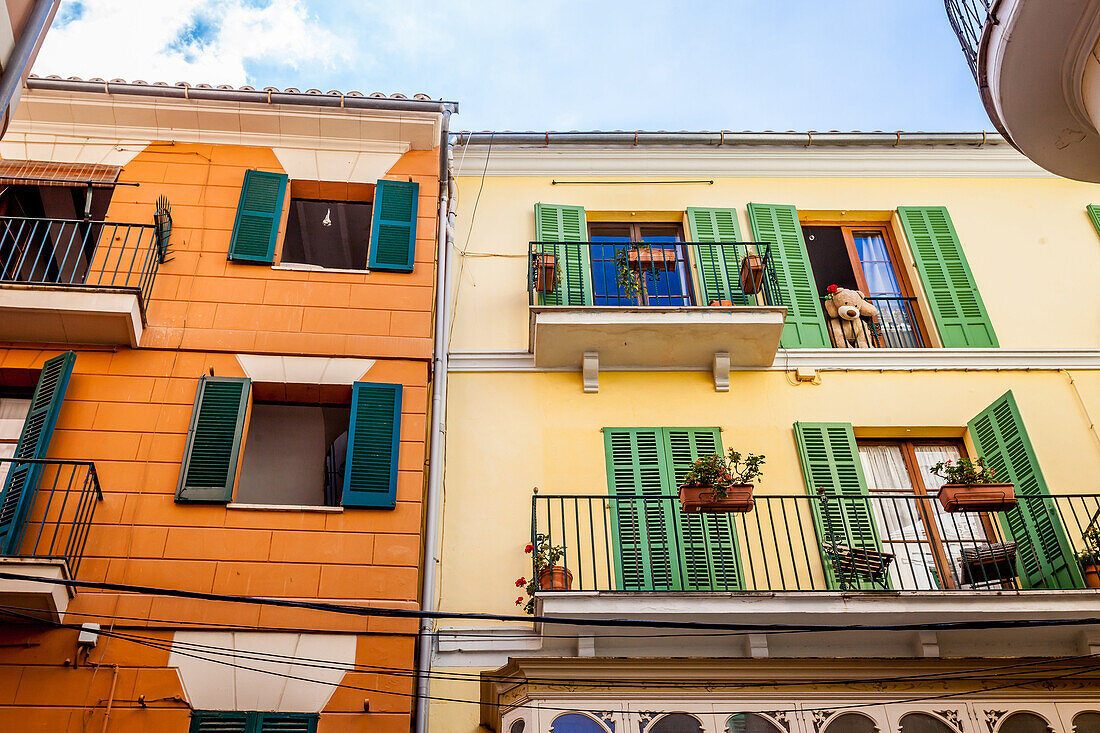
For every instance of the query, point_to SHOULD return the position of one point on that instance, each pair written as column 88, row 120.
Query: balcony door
column 656, row 275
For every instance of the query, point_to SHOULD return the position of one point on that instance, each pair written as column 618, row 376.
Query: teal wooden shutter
column 1043, row 554
column 393, row 226
column 717, row 268
column 21, row 484
column 285, row 723
column 1094, row 215
column 957, row 307
column 830, row 461
column 567, row 228
column 642, row 525
column 805, row 326
column 711, row 561
column 374, row 439
column 214, row 440
column 220, row 721
column 259, row 212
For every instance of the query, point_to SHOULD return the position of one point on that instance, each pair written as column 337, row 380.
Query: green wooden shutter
column 1094, row 215
column 642, row 527
column 214, row 440
column 21, row 484
column 952, row 293
column 778, row 225
column 711, row 561
column 259, row 212
column 286, row 723
column 717, row 268
column 220, row 721
column 393, row 226
column 374, row 439
column 830, row 461
column 1044, row 555
column 567, row 228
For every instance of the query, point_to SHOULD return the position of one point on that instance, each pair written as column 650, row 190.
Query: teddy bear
column 846, row 310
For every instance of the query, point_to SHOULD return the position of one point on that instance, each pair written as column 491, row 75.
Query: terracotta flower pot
column 977, row 497
column 546, row 276
column 694, row 499
column 650, row 259
column 555, row 577
column 1091, row 572
column 721, row 303
column 752, row 274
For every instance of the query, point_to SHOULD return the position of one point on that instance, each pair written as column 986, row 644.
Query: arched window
column 575, row 723
column 677, row 723
column 923, row 723
column 1086, row 723
column 851, row 723
column 1024, row 723
column 751, row 723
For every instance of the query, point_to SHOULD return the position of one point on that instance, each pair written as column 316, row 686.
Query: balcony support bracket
column 757, row 646
column 1090, row 642
column 721, row 371
column 928, row 644
column 590, row 371
column 586, row 646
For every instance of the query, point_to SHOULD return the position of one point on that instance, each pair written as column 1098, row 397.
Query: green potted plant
column 1089, row 557
column 548, row 574
column 637, row 260
column 721, row 483
column 971, row 487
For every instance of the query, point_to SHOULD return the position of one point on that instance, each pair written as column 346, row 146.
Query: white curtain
column 899, row 521
column 959, row 530
column 12, row 414
column 875, row 260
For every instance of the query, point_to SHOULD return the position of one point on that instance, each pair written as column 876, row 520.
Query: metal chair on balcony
column 987, row 565
column 854, row 564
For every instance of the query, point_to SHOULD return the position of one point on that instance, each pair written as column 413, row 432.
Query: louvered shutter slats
column 718, row 268
column 259, row 212
column 374, row 438
column 643, row 523
column 209, row 465
column 564, row 229
column 393, row 226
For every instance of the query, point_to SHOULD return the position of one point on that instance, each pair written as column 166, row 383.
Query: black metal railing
column 79, row 253
column 651, row 274
column 54, row 516
column 968, row 19
column 895, row 327
column 816, row 543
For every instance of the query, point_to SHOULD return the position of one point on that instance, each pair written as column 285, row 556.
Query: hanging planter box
column 555, row 577
column 546, row 272
column 752, row 274
column 696, row 499
column 977, row 497
column 649, row 259
column 720, row 303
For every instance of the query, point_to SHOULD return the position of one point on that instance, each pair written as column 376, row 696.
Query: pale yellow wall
column 1026, row 239
column 508, row 433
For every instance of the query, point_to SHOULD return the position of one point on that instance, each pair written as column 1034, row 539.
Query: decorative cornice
column 829, row 360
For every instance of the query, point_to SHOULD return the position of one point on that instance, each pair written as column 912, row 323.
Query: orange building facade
column 215, row 378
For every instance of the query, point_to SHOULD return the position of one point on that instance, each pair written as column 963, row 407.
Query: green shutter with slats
column 214, row 440
column 1094, row 216
column 830, row 461
column 374, row 439
column 259, row 213
column 393, row 226
column 21, row 484
column 232, row 721
column 709, row 541
column 957, row 307
column 565, row 230
column 778, row 225
column 658, row 547
column 717, row 268
column 1043, row 554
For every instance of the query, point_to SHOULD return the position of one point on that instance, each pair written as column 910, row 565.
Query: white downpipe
column 438, row 431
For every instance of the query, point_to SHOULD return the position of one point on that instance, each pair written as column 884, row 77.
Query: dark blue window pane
column 661, row 272
column 575, row 723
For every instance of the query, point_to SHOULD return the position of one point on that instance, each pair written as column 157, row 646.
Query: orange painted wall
column 129, row 411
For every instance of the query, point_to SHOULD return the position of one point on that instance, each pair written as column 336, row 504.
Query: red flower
column 832, row 289
column 528, row 549
column 520, row 582
column 948, row 461
column 519, row 600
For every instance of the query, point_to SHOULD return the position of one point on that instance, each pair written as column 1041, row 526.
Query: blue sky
column 556, row 64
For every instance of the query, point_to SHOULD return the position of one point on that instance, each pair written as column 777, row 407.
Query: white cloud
column 208, row 41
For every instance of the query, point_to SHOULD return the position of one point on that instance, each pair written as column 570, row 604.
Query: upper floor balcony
column 653, row 303
column 1038, row 77
column 78, row 281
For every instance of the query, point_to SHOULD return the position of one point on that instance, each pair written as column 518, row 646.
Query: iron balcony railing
column 46, row 508
column 816, row 543
column 895, row 327
column 968, row 19
column 651, row 274
column 79, row 253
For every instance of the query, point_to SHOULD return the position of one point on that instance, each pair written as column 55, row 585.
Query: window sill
column 286, row 508
column 301, row 267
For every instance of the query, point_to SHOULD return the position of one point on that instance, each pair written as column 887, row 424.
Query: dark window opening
column 327, row 233
column 294, row 454
column 829, row 258
column 655, row 275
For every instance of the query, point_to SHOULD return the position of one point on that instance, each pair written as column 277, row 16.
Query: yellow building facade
column 622, row 305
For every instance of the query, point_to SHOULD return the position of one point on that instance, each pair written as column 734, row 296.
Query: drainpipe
column 434, row 501
column 12, row 76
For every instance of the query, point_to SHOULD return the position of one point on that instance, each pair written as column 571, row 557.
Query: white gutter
column 723, row 138
column 433, row 502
